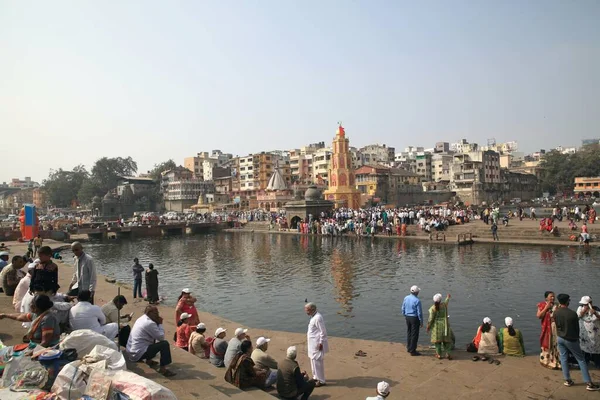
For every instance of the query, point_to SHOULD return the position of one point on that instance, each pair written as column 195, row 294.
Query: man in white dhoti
column 317, row 343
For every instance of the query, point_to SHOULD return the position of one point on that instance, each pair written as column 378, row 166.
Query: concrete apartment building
column 422, row 166
column 23, row 184
column 476, row 176
column 251, row 173
column 587, row 186
column 377, row 154
column 182, row 189
column 440, row 167
column 321, row 163
column 301, row 162
column 463, row 146
column 203, row 163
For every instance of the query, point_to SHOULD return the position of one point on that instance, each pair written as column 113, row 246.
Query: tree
column 62, row 186
column 560, row 170
column 158, row 169
column 88, row 191
column 107, row 172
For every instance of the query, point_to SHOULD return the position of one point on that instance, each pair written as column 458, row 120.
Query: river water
column 263, row 280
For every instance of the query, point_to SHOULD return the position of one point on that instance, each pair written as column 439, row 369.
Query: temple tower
column 342, row 188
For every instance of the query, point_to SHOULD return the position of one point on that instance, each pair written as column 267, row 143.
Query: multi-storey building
column 502, row 148
column 587, row 186
column 183, row 194
column 203, row 163
column 23, row 184
column 301, row 167
column 321, row 164
column 442, row 147
column 463, row 146
column 586, row 142
column 39, row 198
column 251, row 173
column 381, row 184
column 375, row 154
column 476, row 176
column 422, row 166
column 440, row 167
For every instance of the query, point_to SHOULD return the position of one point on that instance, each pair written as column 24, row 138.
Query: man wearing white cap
column 317, row 343
column 218, row 348
column 292, row 383
column 383, row 391
column 262, row 360
column 413, row 313
column 234, row 345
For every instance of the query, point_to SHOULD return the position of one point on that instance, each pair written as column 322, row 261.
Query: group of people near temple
column 567, row 337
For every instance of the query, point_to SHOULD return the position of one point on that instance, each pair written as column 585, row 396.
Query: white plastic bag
column 84, row 340
column 71, row 382
column 115, row 360
column 139, row 388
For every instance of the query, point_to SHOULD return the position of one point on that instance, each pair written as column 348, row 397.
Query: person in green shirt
column 510, row 340
column 439, row 326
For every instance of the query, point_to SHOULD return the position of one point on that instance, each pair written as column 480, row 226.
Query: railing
column 440, row 236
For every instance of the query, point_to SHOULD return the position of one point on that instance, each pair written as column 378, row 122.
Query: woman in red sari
column 549, row 356
column 185, row 304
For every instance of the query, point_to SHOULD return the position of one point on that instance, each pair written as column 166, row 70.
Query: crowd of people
column 47, row 313
column 567, row 336
column 375, row 220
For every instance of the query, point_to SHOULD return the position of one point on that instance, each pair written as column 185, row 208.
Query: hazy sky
column 80, row 80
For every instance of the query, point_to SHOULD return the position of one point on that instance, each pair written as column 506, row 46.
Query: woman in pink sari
column 185, row 304
column 549, row 356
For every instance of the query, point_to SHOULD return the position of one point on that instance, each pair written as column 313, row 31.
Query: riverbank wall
column 348, row 376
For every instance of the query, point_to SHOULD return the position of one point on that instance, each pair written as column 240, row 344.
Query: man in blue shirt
column 413, row 312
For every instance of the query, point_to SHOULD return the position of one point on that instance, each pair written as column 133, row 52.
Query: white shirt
column 316, row 335
column 378, row 397
column 20, row 291
column 144, row 333
column 84, row 315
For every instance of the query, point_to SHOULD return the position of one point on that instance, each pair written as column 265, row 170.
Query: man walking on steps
column 413, row 313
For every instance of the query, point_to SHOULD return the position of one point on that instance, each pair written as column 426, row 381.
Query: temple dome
column 276, row 182
column 312, row 193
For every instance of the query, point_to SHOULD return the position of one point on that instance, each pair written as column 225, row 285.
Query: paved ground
column 349, row 377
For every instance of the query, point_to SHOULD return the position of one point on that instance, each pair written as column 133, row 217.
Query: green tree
column 62, row 186
column 88, row 191
column 158, row 169
column 106, row 172
column 560, row 170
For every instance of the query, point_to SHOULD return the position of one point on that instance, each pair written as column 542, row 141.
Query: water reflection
column 263, row 280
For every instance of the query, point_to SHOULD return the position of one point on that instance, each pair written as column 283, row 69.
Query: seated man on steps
column 147, row 339
column 291, row 383
column 85, row 315
column 111, row 311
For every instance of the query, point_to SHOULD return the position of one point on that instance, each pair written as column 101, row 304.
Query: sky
column 159, row 80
